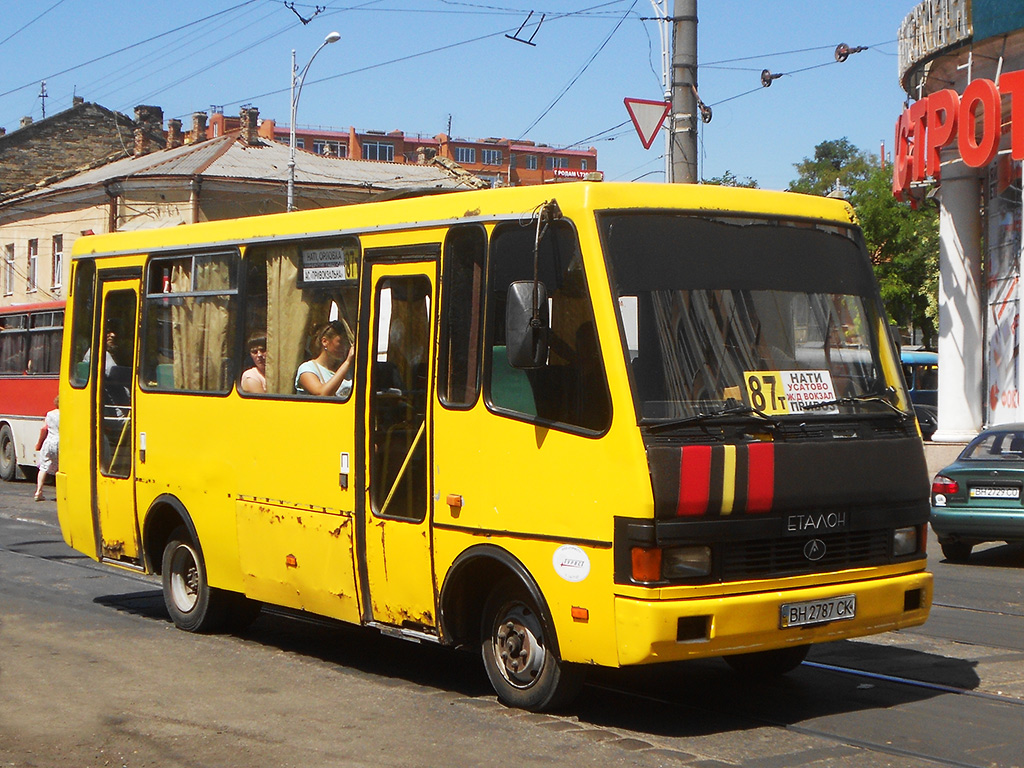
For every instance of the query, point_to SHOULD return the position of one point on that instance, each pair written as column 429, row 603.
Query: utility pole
column 683, row 127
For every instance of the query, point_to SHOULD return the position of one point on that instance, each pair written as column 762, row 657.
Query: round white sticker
column 571, row 563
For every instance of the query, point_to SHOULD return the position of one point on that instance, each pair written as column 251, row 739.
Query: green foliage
column 729, row 179
column 903, row 243
column 835, row 162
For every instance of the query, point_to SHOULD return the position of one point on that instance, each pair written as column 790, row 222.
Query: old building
column 84, row 135
column 187, row 177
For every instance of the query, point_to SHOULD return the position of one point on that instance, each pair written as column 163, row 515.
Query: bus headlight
column 686, row 562
column 904, row 541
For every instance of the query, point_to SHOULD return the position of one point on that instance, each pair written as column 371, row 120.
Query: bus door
column 398, row 558
column 114, row 498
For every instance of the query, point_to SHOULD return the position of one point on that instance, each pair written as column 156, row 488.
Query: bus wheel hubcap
column 519, row 648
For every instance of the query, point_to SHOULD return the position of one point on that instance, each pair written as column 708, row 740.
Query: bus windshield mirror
column 526, row 324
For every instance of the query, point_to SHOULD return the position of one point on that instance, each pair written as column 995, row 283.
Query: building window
column 531, row 162
column 465, row 155
column 556, row 162
column 378, row 150
column 32, row 273
column 57, row 262
column 8, row 269
column 300, row 143
column 330, row 148
column 490, row 156
column 583, row 164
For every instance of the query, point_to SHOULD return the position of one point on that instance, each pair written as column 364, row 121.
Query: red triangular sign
column 648, row 117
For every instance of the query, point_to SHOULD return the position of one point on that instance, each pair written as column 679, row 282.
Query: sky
column 422, row 65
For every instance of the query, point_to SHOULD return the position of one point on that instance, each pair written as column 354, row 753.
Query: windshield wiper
column 883, row 397
column 736, row 409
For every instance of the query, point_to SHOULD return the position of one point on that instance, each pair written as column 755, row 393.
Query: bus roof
column 472, row 206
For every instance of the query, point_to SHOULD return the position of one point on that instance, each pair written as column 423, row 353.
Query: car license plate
column 995, row 493
column 817, row 611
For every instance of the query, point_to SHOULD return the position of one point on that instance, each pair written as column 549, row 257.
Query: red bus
column 30, row 338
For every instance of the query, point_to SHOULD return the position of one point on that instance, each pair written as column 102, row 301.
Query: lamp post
column 297, row 80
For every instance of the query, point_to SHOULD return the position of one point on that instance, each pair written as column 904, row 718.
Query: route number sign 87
column 765, row 392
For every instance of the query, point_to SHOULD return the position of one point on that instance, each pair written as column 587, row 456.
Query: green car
column 977, row 498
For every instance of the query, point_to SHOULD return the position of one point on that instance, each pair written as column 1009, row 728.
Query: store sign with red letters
column 973, row 120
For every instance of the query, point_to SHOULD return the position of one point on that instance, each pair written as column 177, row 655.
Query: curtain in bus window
column 200, row 327
column 289, row 312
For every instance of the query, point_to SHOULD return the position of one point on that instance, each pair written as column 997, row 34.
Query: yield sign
column 648, row 117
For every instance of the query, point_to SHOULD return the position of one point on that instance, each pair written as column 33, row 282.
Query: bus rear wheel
column 8, row 456
column 192, row 603
column 768, row 664
column 521, row 664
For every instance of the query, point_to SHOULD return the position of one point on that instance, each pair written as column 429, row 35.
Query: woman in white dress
column 49, row 438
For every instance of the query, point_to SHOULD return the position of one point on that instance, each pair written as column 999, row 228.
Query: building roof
column 227, row 157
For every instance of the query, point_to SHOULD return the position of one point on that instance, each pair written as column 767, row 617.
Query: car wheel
column 518, row 656
column 768, row 664
column 956, row 551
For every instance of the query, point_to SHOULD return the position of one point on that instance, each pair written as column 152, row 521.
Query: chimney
column 148, row 121
column 3, row 131
column 198, row 127
column 174, row 137
column 249, row 119
column 77, row 101
column 25, row 122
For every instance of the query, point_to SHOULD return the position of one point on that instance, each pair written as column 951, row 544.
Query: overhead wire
column 30, row 23
column 579, row 74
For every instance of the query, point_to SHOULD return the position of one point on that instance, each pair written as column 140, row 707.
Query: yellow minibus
column 571, row 425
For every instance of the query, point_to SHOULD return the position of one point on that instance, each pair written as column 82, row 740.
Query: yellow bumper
column 650, row 631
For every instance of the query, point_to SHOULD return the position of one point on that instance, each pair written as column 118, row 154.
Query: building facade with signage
column 960, row 143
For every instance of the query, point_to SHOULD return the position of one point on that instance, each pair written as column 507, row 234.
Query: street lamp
column 297, row 80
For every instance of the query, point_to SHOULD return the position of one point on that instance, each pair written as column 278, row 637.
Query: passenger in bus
column 110, row 344
column 329, row 373
column 49, row 438
column 255, row 379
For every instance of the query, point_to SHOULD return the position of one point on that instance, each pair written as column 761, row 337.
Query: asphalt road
column 92, row 673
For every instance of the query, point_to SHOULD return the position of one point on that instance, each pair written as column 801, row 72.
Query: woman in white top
column 328, row 373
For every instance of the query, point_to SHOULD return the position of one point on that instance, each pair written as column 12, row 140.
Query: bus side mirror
column 526, row 337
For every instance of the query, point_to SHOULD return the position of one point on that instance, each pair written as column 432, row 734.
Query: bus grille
column 785, row 557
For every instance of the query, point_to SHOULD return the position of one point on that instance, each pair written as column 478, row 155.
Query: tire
column 763, row 665
column 956, row 551
column 519, row 656
column 8, row 455
column 192, row 603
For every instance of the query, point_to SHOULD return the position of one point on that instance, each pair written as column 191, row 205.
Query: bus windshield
column 727, row 315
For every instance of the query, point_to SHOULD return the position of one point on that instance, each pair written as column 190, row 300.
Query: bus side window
column 293, row 310
column 189, row 325
column 571, row 388
column 84, row 296
column 462, row 303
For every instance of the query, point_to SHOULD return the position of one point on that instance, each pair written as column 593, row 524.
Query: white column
column 961, row 330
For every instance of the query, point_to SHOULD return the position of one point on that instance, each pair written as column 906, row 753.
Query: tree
column 835, row 163
column 903, row 243
column 729, row 179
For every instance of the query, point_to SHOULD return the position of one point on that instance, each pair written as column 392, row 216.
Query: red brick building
column 500, row 162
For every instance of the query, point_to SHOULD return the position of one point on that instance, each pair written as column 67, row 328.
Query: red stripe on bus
column 760, row 477
column 694, row 480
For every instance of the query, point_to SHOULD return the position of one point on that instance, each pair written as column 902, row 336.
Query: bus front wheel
column 8, row 456
column 520, row 662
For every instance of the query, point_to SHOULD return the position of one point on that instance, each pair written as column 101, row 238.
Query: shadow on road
column 691, row 698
